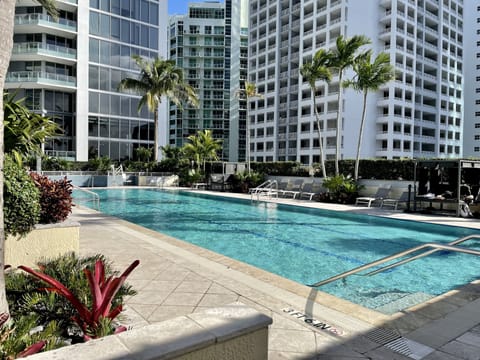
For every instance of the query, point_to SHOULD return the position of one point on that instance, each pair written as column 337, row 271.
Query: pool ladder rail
column 434, row 248
column 95, row 197
column 268, row 189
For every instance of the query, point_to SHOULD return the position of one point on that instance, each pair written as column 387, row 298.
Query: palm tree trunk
column 155, row 125
column 320, row 142
column 339, row 122
column 6, row 39
column 360, row 134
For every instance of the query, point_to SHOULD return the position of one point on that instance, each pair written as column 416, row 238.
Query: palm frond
column 50, row 6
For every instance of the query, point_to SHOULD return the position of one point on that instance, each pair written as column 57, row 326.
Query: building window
column 477, row 125
column 477, row 137
column 476, row 149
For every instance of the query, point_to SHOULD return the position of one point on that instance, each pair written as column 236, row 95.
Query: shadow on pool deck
column 176, row 278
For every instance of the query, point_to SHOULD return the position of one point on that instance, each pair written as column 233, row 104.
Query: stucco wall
column 230, row 332
column 46, row 241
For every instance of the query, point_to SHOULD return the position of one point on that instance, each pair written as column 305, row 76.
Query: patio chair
column 381, row 194
column 293, row 190
column 394, row 202
column 307, row 191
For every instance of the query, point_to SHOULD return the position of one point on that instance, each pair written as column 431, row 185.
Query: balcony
column 29, row 23
column 41, row 51
column 40, row 79
column 62, row 154
column 68, row 5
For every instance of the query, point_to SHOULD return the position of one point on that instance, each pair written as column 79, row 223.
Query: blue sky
column 180, row 6
column 177, row 6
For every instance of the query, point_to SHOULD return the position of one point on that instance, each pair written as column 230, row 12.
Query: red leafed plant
column 55, row 198
column 97, row 321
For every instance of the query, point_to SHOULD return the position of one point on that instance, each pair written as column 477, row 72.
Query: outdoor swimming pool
column 306, row 245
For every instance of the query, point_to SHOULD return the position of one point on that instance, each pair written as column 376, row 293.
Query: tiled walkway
column 175, row 278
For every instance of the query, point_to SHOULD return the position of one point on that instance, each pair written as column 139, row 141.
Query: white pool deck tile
column 176, row 278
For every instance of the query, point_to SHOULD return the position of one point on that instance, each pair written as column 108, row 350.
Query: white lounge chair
column 394, row 202
column 381, row 194
column 307, row 191
column 293, row 190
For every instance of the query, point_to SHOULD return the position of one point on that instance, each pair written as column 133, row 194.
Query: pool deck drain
column 176, row 278
column 409, row 348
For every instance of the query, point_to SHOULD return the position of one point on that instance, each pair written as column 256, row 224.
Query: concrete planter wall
column 230, row 332
column 45, row 241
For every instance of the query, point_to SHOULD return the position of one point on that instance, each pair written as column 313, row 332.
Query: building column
column 81, row 133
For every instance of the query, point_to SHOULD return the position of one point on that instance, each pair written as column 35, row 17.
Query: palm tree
column 24, row 130
column 203, row 147
column 248, row 92
column 342, row 57
column 313, row 71
column 159, row 78
column 370, row 76
column 6, row 39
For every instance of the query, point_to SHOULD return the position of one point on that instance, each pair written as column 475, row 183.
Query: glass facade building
column 210, row 44
column 70, row 70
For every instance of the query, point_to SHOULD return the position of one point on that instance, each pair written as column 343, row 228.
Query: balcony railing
column 38, row 47
column 33, row 19
column 35, row 76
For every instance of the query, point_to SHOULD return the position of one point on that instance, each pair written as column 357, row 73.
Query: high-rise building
column 417, row 115
column 210, row 44
column 471, row 130
column 70, row 68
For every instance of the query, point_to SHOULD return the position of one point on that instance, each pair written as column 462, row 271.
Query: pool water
column 306, row 245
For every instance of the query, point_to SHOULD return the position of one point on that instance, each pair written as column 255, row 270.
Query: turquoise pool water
column 306, row 245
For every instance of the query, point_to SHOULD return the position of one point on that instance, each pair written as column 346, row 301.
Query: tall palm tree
column 342, row 57
column 370, row 76
column 317, row 69
column 203, row 147
column 7, row 14
column 159, row 78
column 248, row 92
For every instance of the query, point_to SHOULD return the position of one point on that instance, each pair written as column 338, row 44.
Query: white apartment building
column 471, row 137
column 210, row 43
column 69, row 69
column 417, row 115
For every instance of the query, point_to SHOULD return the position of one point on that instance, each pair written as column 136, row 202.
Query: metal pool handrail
column 435, row 246
column 426, row 253
column 267, row 188
column 96, row 197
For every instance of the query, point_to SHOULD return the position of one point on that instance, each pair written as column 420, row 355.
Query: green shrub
column 242, row 182
column 55, row 198
column 54, row 164
column 103, row 164
column 17, row 338
column 279, row 168
column 341, row 189
column 26, row 294
column 372, row 169
column 21, row 199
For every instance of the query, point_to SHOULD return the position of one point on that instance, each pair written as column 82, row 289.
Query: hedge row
column 368, row 169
